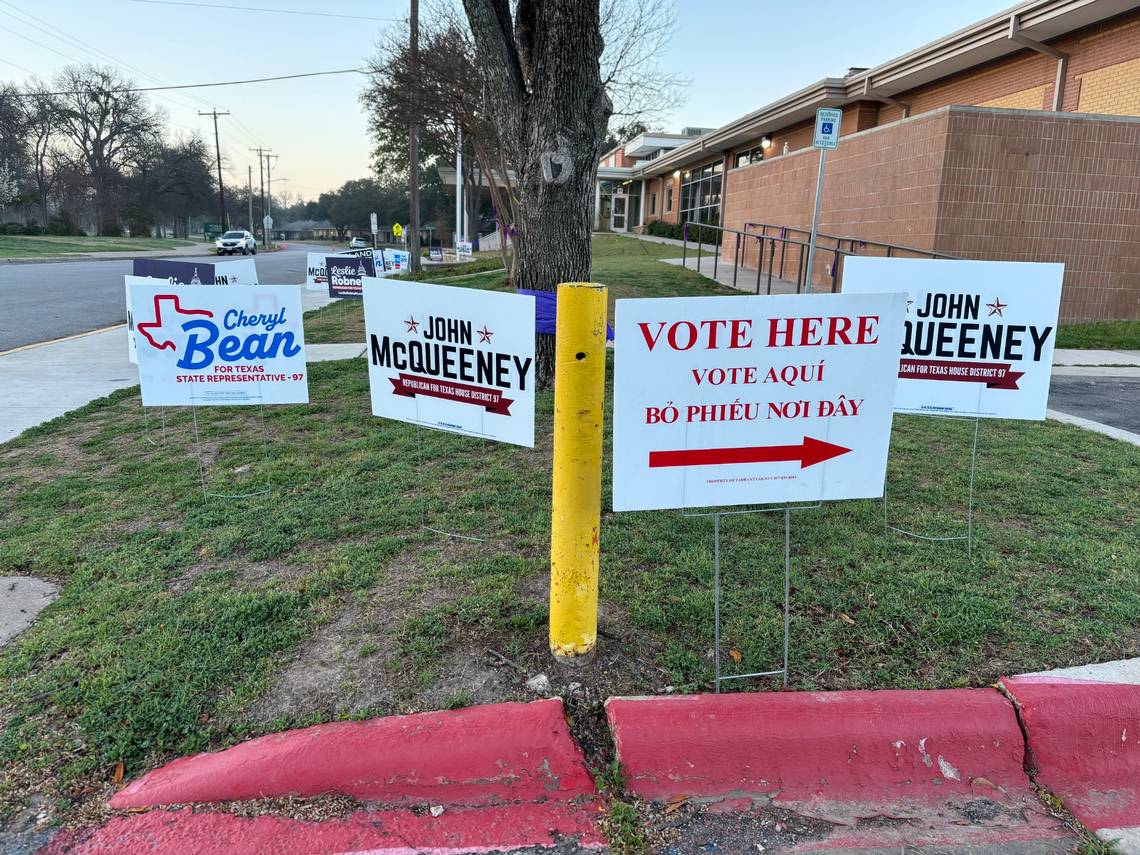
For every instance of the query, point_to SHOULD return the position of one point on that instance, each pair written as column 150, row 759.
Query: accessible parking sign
column 748, row 400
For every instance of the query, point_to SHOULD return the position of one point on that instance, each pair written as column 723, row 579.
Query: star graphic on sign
column 484, row 334
column 413, row 325
column 996, row 307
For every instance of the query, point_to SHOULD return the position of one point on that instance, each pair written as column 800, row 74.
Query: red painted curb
column 1084, row 740
column 818, row 751
column 395, row 832
column 474, row 756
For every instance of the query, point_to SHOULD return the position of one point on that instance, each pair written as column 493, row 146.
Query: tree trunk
column 546, row 93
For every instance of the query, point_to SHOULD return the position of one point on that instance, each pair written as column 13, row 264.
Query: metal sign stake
column 969, row 535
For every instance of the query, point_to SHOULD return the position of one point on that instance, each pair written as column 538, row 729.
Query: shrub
column 33, row 229
column 60, row 223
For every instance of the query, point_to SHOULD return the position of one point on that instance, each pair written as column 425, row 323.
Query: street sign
column 267, row 221
column 978, row 335
column 201, row 346
column 212, row 231
column 397, row 230
column 827, row 123
column 456, row 359
column 748, row 400
column 375, row 224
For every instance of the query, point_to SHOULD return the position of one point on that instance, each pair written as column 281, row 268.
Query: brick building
column 1016, row 138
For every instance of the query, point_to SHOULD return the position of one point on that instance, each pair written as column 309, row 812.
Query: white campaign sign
column 241, row 271
column 978, row 337
column 201, row 345
column 128, row 281
column 748, row 400
column 455, row 359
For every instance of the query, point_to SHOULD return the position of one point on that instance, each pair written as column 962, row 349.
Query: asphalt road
column 42, row 302
column 1112, row 401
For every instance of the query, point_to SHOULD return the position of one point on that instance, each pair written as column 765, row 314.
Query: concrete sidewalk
column 745, row 277
column 45, row 381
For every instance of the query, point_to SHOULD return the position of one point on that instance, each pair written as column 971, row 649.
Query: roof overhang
column 977, row 44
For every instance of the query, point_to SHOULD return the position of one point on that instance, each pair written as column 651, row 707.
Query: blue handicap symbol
column 825, row 128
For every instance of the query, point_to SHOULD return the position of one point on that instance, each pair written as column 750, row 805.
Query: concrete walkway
column 745, row 277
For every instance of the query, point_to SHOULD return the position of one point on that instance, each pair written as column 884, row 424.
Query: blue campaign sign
column 175, row 272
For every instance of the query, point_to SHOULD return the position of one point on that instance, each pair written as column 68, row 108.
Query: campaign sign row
column 382, row 262
column 718, row 401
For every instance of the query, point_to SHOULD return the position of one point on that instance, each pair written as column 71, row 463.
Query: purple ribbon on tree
column 546, row 310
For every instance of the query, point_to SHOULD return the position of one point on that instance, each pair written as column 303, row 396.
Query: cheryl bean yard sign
column 978, row 337
column 346, row 275
column 747, row 400
column 456, row 359
column 210, row 346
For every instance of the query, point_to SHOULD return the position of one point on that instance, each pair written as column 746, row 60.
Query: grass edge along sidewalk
column 185, row 624
column 50, row 246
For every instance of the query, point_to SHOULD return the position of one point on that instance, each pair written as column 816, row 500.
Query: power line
column 75, row 41
column 229, row 8
column 191, row 85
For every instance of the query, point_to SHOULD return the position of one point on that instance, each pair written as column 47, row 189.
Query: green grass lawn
column 187, row 622
column 20, row 246
column 1100, row 335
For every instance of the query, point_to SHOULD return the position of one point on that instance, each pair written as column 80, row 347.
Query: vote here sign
column 750, row 400
column 978, row 335
column 200, row 345
column 454, row 359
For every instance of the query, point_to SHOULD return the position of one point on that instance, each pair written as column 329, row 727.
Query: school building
column 1016, row 138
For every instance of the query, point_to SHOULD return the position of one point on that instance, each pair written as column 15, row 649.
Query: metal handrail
column 789, row 243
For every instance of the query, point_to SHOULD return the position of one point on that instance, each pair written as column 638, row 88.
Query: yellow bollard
column 576, row 507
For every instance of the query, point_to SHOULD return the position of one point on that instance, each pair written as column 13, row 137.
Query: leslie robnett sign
column 455, row 359
column 748, row 400
column 199, row 345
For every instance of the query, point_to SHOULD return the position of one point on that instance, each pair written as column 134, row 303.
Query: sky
column 738, row 54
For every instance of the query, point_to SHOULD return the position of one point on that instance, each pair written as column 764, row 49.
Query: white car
column 359, row 243
column 236, row 241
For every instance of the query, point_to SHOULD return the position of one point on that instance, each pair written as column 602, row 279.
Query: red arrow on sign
column 808, row 453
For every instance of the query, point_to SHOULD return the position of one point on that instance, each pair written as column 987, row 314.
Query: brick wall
column 881, row 184
column 1023, row 186
column 975, row 182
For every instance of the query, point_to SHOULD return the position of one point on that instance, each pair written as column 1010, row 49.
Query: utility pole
column 250, row 188
column 458, row 187
column 269, row 188
column 218, row 150
column 261, row 153
column 414, row 150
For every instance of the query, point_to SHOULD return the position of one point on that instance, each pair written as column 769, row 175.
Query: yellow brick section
column 1026, row 99
column 1114, row 90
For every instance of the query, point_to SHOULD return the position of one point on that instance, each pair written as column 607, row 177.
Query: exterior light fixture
column 765, row 142
column 676, row 173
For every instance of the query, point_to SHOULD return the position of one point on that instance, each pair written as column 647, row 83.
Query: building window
column 752, row 155
column 652, row 204
column 700, row 194
column 669, row 200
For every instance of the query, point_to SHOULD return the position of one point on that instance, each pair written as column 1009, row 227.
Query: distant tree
column 108, row 131
column 623, row 133
column 172, row 181
column 41, row 129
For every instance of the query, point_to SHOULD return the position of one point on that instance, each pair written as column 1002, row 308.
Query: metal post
column 700, row 246
column 771, row 262
column 759, row 261
column 684, row 244
column 970, row 497
column 576, row 492
column 716, row 598
column 716, row 255
column 815, row 217
column 787, row 586
column 735, row 259
column 458, row 188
